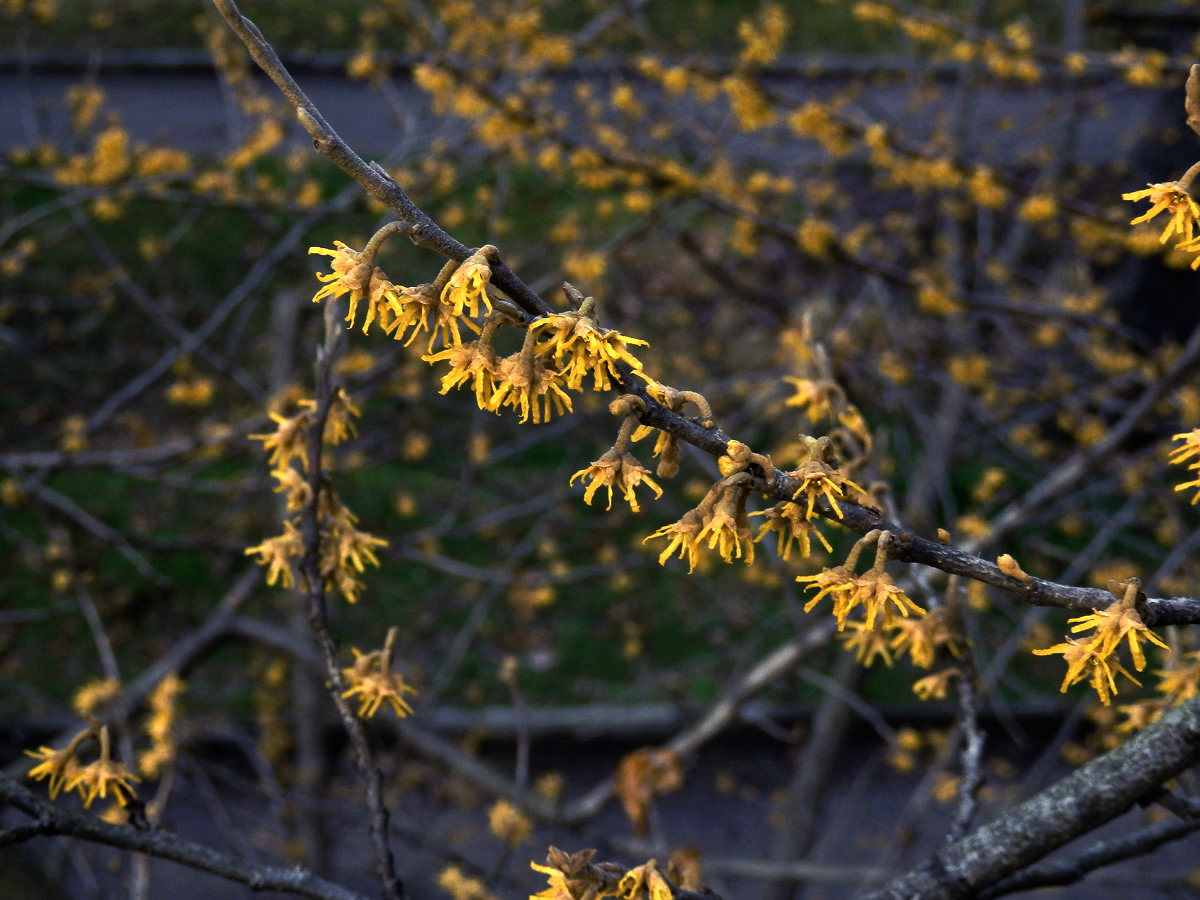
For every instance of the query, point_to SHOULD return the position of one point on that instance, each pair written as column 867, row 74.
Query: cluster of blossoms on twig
column 1174, row 197
column 558, row 352
column 94, row 779
column 344, row 549
column 1093, row 659
column 373, row 682
column 617, row 467
column 874, row 590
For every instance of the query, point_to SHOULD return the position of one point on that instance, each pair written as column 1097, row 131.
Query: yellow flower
column 818, row 478
column 467, row 287
column 814, row 397
column 288, row 442
column 1139, row 715
column 837, row 582
column 644, row 881
column 934, row 685
column 558, row 889
column 160, row 726
column 460, row 886
column 1172, row 198
column 349, row 275
column 1180, row 681
column 299, row 491
column 683, row 537
column 57, row 765
column 788, row 521
column 866, row 644
column 621, row 469
column 878, row 593
column 920, row 637
column 1038, row 208
column 1084, row 662
column 1120, row 620
column 374, row 685
column 97, row 778
column 581, row 347
column 527, row 384
column 95, row 694
column 338, row 423
column 508, row 823
column 353, row 546
column 728, row 526
column 474, row 363
column 1189, row 449
column 278, row 552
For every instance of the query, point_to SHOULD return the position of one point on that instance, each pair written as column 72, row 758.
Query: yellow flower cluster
column 109, row 161
column 64, row 771
column 1188, row 449
column 720, row 522
column 344, row 549
column 160, row 727
column 1093, row 659
column 580, row 347
column 818, row 478
column 1172, row 197
column 874, row 590
column 526, row 381
column 616, row 468
column 373, row 682
column 919, row 636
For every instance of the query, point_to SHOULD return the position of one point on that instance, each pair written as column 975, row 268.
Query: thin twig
column 318, row 617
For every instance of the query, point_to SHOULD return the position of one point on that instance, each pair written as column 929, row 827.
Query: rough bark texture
column 1076, row 805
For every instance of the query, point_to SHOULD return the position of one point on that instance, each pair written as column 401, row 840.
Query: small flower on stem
column 920, row 637
column 728, row 526
column 371, row 679
column 1119, row 621
column 473, row 363
column 287, row 442
column 1083, row 662
column 278, row 552
column 935, row 685
column 581, row 347
column 683, row 537
column 1172, row 197
column 617, row 466
column 866, row 644
column 97, row 778
column 59, row 766
column 790, row 525
column 527, row 384
column 820, row 479
column 466, row 288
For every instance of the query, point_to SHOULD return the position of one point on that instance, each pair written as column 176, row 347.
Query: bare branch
column 51, row 820
column 1087, row 798
column 373, row 179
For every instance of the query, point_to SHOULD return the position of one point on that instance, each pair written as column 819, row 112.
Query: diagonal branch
column 51, row 820
column 1087, row 798
column 374, row 180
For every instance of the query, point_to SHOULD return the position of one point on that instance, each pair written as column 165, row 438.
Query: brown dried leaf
column 643, row 775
